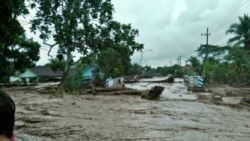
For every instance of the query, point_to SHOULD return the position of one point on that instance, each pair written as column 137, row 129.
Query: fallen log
column 154, row 93
column 128, row 92
column 122, row 92
column 246, row 100
column 168, row 80
column 113, row 89
column 130, row 81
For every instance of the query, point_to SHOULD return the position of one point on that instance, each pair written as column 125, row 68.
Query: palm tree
column 241, row 31
column 195, row 62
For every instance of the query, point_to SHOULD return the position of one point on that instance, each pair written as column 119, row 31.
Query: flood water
column 171, row 91
column 178, row 116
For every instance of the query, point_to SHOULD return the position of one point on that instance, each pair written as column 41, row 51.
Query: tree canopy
column 241, row 31
column 230, row 64
column 85, row 26
column 16, row 51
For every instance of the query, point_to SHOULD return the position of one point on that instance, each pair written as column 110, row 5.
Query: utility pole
column 206, row 34
column 180, row 60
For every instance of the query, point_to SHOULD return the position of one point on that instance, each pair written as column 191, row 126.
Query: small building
column 41, row 74
column 91, row 71
column 46, row 74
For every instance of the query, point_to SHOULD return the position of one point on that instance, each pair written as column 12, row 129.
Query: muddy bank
column 229, row 94
column 226, row 90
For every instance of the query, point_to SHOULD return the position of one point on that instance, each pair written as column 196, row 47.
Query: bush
column 73, row 82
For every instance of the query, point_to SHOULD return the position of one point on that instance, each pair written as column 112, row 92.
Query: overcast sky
column 173, row 28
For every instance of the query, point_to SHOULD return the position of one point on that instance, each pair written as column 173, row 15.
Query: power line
column 246, row 6
column 219, row 39
column 228, row 18
column 236, row 8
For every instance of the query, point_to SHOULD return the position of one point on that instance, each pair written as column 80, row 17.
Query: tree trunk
column 66, row 68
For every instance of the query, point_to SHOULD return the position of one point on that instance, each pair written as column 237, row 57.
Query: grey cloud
column 169, row 36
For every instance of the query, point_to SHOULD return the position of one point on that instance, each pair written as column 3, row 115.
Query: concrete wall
column 193, row 81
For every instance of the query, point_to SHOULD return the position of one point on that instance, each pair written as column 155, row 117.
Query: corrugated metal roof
column 46, row 71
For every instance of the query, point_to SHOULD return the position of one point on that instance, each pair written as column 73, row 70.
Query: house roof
column 46, row 71
column 28, row 74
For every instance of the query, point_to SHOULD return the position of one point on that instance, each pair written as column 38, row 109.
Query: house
column 46, row 74
column 40, row 73
column 91, row 71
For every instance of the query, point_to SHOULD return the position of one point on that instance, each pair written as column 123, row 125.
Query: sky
column 171, row 28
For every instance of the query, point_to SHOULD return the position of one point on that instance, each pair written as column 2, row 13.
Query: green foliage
column 217, row 52
column 178, row 71
column 72, row 24
column 194, row 61
column 120, row 38
column 73, row 82
column 222, row 73
column 175, row 70
column 55, row 64
column 241, row 31
column 148, row 71
column 85, row 26
column 16, row 51
column 196, row 65
column 134, row 69
column 111, row 63
column 208, row 68
column 230, row 64
column 239, row 60
column 233, row 69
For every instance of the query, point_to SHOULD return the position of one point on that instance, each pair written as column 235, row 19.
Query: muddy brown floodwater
column 177, row 116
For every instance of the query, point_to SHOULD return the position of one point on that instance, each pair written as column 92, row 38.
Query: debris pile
column 154, row 93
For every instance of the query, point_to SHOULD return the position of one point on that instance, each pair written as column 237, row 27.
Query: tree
column 239, row 62
column 241, row 31
column 213, row 51
column 215, row 54
column 71, row 24
column 134, row 69
column 111, row 63
column 85, row 26
column 55, row 64
column 196, row 64
column 16, row 51
column 122, row 37
column 119, row 38
column 149, row 71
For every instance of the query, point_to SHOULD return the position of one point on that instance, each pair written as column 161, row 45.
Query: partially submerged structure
column 194, row 83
